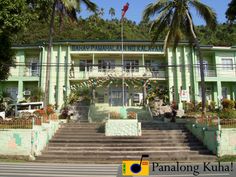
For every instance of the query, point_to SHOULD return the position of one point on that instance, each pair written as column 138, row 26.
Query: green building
column 98, row 65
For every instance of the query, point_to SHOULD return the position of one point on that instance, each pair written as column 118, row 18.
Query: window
column 224, row 92
column 205, row 67
column 85, row 63
column 34, row 69
column 227, row 64
column 131, row 65
column 153, row 65
column 104, row 65
column 12, row 92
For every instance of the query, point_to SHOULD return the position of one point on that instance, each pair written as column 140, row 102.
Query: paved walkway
column 75, row 170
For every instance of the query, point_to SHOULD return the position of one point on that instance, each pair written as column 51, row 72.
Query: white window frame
column 227, row 66
column 35, row 72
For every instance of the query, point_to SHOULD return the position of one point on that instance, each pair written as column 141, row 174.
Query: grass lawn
column 227, row 159
column 19, row 159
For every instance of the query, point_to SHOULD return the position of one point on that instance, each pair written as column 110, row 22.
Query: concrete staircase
column 80, row 111
column 86, row 143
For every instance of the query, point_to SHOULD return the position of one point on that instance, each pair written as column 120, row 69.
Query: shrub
column 64, row 113
column 199, row 105
column 212, row 106
column 2, row 107
column 190, row 107
column 227, row 113
column 114, row 115
column 132, row 115
column 227, row 104
column 49, row 109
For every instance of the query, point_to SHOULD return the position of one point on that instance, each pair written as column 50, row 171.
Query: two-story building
column 118, row 77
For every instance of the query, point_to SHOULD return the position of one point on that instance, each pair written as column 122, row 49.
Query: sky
column 136, row 8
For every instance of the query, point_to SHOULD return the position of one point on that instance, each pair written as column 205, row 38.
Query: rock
column 180, row 113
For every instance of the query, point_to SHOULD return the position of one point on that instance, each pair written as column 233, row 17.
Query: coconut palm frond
column 155, row 8
column 206, row 13
column 90, row 5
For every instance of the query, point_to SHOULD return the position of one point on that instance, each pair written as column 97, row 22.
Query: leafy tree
column 65, row 8
column 14, row 16
column 175, row 18
column 37, row 94
column 231, row 11
column 112, row 12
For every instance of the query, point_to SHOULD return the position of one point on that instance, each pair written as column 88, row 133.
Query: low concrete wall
column 27, row 142
column 123, row 127
column 227, row 141
column 206, row 135
column 15, row 142
column 220, row 142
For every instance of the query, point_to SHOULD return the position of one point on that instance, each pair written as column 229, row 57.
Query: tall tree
column 112, row 12
column 101, row 12
column 174, row 17
column 65, row 8
column 231, row 11
column 14, row 16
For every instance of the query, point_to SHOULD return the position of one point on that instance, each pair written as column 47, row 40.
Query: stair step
column 101, row 144
column 62, row 136
column 86, row 143
column 115, row 153
column 119, row 159
column 127, row 148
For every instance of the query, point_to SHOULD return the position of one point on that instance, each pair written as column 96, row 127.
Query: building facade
column 117, row 77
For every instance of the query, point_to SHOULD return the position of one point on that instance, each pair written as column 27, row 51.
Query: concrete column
column 192, row 76
column 184, row 85
column 58, row 76
column 143, row 59
column 219, row 92
column 215, row 93
column 170, row 71
column 20, row 95
column 143, row 63
column 94, row 68
column 21, row 60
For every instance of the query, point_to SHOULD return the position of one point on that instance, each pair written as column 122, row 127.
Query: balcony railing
column 117, row 72
column 31, row 73
column 208, row 73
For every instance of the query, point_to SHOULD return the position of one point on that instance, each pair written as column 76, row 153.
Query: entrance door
column 116, row 97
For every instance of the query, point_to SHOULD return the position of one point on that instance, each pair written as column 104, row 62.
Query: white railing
column 208, row 73
column 30, row 73
column 117, row 72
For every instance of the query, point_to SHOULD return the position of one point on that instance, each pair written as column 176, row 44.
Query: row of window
column 110, row 64
column 226, row 64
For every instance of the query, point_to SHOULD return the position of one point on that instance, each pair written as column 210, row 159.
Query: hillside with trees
column 96, row 28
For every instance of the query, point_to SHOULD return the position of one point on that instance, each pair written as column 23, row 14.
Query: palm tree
column 112, row 12
column 231, row 11
column 68, row 8
column 175, row 18
column 101, row 12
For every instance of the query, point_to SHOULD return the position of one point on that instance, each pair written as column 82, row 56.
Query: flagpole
column 122, row 56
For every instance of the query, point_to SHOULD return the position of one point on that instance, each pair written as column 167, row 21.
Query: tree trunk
column 51, row 31
column 202, row 77
column 201, row 64
column 144, row 95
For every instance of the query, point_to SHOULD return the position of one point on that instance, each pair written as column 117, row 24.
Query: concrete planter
column 123, row 127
